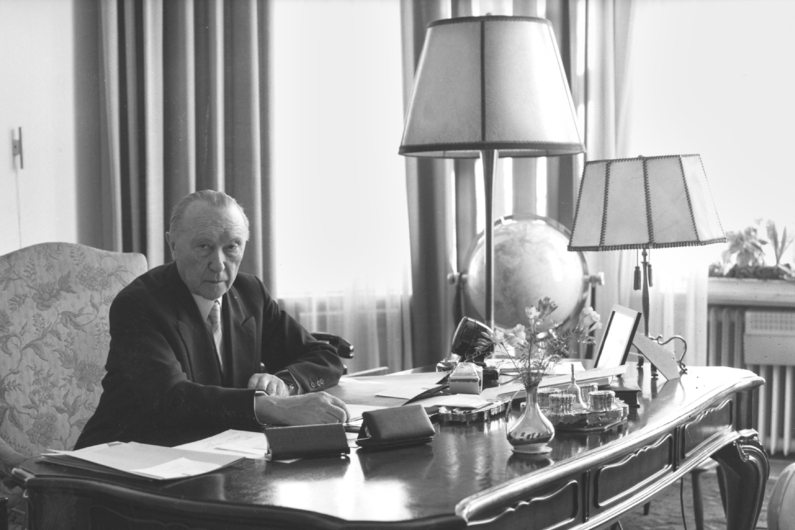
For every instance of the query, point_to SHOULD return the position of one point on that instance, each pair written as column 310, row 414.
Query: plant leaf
column 772, row 234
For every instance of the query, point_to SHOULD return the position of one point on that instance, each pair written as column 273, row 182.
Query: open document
column 248, row 444
column 142, row 460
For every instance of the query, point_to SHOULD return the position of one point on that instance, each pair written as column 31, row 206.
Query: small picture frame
column 617, row 338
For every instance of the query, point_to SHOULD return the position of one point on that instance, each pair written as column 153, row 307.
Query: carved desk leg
column 746, row 469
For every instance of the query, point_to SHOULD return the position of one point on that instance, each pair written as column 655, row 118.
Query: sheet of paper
column 244, row 443
column 507, row 390
column 404, row 391
column 455, row 401
column 128, row 458
column 564, row 368
column 178, row 468
column 352, row 436
column 355, row 411
column 354, row 422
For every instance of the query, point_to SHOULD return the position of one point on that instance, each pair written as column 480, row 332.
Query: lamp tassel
column 637, row 278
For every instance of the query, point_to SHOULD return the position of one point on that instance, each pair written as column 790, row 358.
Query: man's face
column 208, row 248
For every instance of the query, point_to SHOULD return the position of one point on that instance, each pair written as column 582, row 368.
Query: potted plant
column 745, row 255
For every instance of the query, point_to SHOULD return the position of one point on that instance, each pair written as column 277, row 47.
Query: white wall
column 38, row 84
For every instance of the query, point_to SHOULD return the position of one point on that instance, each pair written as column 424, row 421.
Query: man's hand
column 271, row 384
column 307, row 409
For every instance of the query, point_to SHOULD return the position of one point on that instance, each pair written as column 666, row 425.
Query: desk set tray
column 479, row 414
column 589, row 420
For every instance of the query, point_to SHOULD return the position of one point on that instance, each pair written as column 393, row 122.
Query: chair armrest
column 343, row 347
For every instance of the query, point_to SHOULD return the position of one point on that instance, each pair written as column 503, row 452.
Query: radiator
column 763, row 342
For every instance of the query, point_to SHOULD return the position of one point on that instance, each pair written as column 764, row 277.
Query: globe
column 530, row 262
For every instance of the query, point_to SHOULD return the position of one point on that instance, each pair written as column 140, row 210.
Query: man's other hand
column 307, row 409
column 271, row 384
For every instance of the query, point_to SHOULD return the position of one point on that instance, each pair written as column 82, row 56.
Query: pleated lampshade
column 643, row 203
column 490, row 83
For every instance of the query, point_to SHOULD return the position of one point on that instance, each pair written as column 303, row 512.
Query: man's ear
column 172, row 242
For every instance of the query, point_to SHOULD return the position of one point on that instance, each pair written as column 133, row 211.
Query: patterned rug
column 666, row 513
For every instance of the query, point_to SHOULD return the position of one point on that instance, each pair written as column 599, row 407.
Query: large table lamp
column 490, row 87
column 644, row 203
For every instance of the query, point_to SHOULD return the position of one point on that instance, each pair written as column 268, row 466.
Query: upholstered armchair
column 54, row 339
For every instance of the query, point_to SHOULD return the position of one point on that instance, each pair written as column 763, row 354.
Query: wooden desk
column 468, row 475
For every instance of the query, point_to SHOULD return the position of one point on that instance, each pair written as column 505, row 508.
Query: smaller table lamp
column 645, row 203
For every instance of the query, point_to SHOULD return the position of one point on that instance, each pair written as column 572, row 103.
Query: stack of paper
column 142, row 460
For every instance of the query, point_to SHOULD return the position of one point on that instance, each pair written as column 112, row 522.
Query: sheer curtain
column 698, row 88
column 339, row 197
column 603, row 103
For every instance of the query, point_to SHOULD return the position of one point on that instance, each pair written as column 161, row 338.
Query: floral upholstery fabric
column 54, row 339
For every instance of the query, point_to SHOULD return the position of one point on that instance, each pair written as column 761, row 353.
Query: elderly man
column 190, row 339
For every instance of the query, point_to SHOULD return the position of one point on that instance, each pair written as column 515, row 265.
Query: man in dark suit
column 190, row 339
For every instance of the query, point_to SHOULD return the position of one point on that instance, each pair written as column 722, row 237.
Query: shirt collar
column 205, row 305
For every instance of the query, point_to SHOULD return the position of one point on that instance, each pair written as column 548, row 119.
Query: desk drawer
column 633, row 473
column 555, row 507
column 712, row 421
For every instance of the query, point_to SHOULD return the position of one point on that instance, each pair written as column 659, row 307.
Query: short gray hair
column 219, row 199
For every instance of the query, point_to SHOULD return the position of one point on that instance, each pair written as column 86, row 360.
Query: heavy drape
column 430, row 200
column 188, row 103
column 606, row 36
column 184, row 107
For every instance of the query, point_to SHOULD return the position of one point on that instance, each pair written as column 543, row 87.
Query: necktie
column 214, row 323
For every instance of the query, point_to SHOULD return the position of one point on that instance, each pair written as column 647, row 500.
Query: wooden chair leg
column 722, row 487
column 3, row 513
column 698, row 503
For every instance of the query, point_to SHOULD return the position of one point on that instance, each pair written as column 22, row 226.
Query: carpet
column 666, row 513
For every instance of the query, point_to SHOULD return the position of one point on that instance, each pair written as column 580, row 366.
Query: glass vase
column 532, row 431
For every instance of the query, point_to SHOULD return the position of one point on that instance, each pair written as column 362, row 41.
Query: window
column 716, row 78
column 339, row 184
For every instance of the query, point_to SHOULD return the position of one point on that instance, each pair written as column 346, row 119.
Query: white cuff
column 258, row 393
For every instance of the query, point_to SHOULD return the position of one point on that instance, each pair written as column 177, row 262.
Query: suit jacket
column 164, row 384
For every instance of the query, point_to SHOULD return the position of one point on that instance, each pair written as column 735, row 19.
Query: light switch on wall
column 16, row 147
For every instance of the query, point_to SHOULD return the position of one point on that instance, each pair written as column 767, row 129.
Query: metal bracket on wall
column 16, row 147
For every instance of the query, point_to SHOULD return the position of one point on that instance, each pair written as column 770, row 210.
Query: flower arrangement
column 536, row 348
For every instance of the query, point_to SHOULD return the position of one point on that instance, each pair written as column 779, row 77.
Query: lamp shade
column 490, row 83
column 645, row 202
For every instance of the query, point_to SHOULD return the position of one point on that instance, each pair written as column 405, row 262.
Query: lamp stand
column 489, row 158
column 659, row 339
column 645, row 306
column 645, row 297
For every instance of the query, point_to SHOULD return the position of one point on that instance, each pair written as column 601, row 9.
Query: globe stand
column 530, row 263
